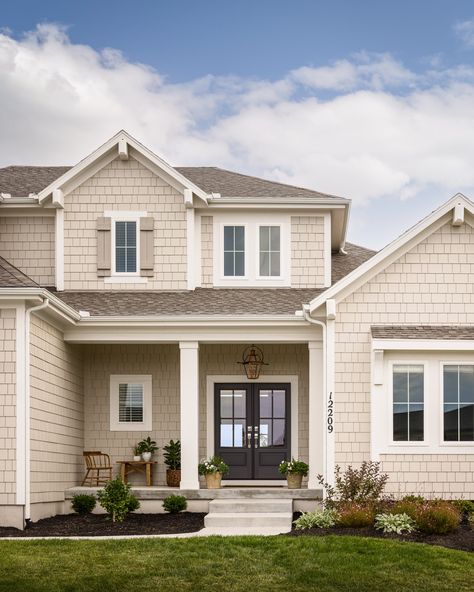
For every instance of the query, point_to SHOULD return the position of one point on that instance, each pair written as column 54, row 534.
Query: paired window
column 269, row 251
column 408, row 403
column 130, row 402
column 458, row 402
column 125, row 246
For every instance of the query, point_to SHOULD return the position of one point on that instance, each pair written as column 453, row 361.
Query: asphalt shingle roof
column 12, row 277
column 20, row 181
column 423, row 332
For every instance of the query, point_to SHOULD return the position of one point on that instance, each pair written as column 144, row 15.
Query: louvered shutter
column 146, row 246
column 104, row 259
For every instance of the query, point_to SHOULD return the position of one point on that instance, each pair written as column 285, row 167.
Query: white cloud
column 465, row 31
column 382, row 133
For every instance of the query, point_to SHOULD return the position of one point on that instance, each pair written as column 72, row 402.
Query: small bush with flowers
column 293, row 467
column 355, row 515
column 438, row 517
column 215, row 464
column 394, row 523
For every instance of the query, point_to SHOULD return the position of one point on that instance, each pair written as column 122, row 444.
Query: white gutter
column 28, row 314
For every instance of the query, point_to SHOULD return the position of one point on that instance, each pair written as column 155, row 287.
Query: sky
column 371, row 100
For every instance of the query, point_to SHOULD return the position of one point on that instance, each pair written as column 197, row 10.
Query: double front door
column 252, row 428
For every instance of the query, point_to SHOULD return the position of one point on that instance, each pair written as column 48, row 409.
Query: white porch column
column 316, row 414
column 189, row 402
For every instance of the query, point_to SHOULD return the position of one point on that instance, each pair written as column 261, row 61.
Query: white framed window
column 126, row 247
column 269, row 251
column 130, row 402
column 458, row 402
column 234, row 251
column 408, row 404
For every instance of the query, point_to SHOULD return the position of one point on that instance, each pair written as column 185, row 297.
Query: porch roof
column 454, row 332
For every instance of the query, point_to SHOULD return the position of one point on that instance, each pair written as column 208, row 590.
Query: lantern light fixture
column 252, row 361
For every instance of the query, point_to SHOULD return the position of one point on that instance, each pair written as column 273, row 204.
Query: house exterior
column 130, row 289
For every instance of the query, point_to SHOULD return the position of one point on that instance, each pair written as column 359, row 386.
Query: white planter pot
column 146, row 456
column 137, row 458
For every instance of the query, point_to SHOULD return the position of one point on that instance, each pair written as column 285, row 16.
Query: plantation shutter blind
column 146, row 246
column 104, row 259
column 131, row 403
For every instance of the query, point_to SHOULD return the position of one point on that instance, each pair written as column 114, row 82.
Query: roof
column 343, row 263
column 12, row 277
column 201, row 301
column 20, row 181
column 458, row 332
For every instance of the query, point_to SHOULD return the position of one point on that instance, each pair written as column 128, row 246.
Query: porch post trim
column 316, row 413
column 189, row 413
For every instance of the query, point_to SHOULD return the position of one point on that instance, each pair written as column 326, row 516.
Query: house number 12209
column 330, row 413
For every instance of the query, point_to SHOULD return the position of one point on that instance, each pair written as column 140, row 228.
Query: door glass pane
column 265, row 433
column 239, row 404
column 265, row 398
column 279, row 403
column 278, row 432
column 226, row 403
column 227, row 432
column 239, row 433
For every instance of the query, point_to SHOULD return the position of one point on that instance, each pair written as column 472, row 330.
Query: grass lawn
column 237, row 564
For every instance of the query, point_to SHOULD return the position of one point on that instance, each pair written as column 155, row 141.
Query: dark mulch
column 462, row 539
column 99, row 525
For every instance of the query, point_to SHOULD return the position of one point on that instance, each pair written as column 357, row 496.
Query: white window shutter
column 104, row 259
column 147, row 246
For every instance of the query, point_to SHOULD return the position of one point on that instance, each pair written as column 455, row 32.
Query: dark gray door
column 252, row 428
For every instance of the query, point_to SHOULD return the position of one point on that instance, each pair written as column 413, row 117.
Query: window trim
column 442, row 442
column 257, row 255
column 113, row 270
column 115, row 424
column 426, row 385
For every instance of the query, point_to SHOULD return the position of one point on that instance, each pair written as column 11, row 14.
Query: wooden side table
column 137, row 466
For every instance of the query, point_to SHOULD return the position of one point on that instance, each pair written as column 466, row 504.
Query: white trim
column 125, row 279
column 110, row 149
column 197, row 262
column 59, row 249
column 317, row 412
column 212, row 379
column 423, row 344
column 190, row 249
column 327, row 250
column 330, row 436
column 21, row 412
column 118, row 426
column 189, row 413
column 121, row 274
column 392, row 251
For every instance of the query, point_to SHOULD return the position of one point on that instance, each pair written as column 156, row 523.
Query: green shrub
column 172, row 455
column 464, row 506
column 416, row 499
column 365, row 484
column 117, row 500
column 407, row 506
column 397, row 523
column 83, row 503
column 175, row 504
column 470, row 519
column 437, row 517
column 355, row 515
column 318, row 519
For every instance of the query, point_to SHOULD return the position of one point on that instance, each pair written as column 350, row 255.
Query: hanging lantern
column 252, row 361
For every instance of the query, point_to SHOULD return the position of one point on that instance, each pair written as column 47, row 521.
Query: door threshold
column 253, row 483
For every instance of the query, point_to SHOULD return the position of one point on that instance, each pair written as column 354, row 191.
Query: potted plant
column 147, row 447
column 213, row 470
column 136, row 453
column 172, row 456
column 294, row 470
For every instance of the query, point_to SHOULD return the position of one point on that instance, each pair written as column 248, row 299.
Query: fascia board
column 392, row 251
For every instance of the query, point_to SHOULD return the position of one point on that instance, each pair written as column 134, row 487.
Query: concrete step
column 248, row 519
column 243, row 531
column 229, row 506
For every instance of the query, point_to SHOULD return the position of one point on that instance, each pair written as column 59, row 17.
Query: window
column 269, row 251
column 234, row 251
column 126, row 246
column 130, row 403
column 458, row 402
column 408, row 403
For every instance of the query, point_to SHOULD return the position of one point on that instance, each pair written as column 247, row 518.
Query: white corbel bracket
column 331, row 310
column 378, row 366
column 188, row 198
column 123, row 149
column 58, row 198
column 458, row 215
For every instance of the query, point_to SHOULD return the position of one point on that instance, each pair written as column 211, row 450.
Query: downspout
column 28, row 313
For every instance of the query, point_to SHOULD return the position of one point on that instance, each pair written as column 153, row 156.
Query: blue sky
column 371, row 100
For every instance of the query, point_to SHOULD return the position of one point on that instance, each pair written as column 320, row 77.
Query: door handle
column 249, row 436
column 255, row 433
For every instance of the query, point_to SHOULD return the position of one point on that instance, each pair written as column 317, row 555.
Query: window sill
column 125, row 279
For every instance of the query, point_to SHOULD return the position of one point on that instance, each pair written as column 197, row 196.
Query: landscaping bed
column 100, row 525
column 462, row 539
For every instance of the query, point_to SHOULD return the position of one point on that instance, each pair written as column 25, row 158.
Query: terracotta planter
column 294, row 481
column 213, row 480
column 173, row 477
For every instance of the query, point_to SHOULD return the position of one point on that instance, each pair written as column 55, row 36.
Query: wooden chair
column 99, row 468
